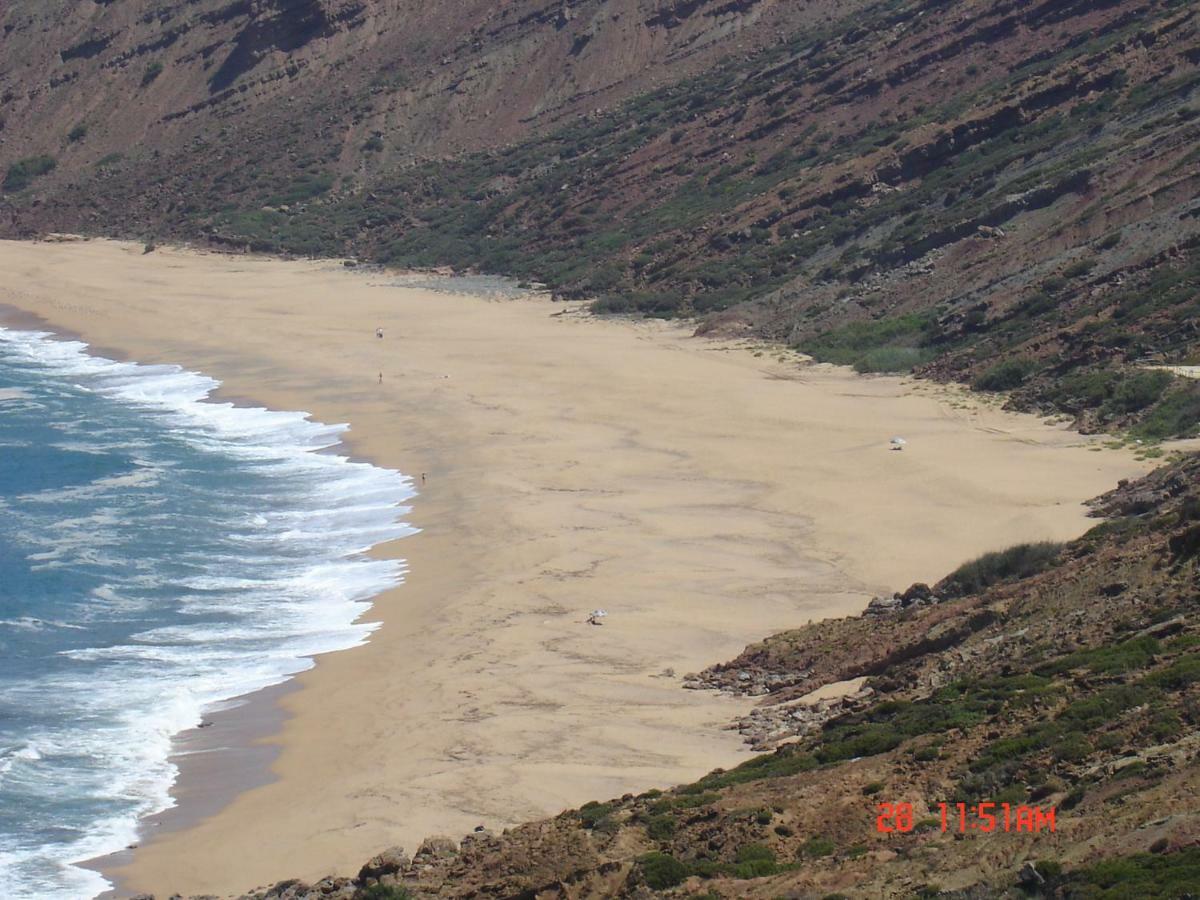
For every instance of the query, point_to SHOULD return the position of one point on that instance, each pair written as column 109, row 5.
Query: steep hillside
column 1061, row 678
column 195, row 87
column 997, row 192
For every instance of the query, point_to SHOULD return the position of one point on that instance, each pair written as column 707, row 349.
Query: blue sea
column 160, row 554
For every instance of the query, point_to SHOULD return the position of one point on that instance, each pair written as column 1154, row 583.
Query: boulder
column 882, row 606
column 1029, row 876
column 917, row 593
column 388, row 862
column 438, row 847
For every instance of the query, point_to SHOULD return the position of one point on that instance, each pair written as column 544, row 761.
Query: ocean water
column 160, row 554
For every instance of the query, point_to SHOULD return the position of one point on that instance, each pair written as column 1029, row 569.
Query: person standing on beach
column 379, row 333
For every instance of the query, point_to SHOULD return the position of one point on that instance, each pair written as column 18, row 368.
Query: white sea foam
column 277, row 610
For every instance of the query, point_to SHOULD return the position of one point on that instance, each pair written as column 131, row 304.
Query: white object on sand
column 898, row 443
column 595, row 616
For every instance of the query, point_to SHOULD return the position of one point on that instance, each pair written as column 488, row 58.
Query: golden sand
column 705, row 494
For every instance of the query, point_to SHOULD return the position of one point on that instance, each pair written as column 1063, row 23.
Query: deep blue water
column 159, row 555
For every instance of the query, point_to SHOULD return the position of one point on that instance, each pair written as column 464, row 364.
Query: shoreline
column 619, row 457
column 228, row 751
column 229, row 754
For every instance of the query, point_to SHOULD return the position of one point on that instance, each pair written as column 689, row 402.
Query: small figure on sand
column 379, row 333
column 422, row 478
column 898, row 443
column 381, row 378
column 595, row 616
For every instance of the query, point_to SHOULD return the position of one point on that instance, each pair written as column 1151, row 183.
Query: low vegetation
column 23, row 172
column 1020, row 561
column 153, row 69
column 887, row 345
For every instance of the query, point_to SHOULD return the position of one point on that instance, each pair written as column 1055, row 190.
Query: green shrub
column 1014, row 794
column 1049, row 869
column 754, row 852
column 757, row 868
column 22, row 173
column 1147, row 876
column 783, row 762
column 755, row 861
column 1180, row 674
column 1005, row 376
column 661, row 827
column 153, row 70
column 592, row 813
column 303, row 188
column 873, row 788
column 1019, row 561
column 1136, row 392
column 892, row 359
column 884, row 345
column 1072, row 747
column 1094, row 711
column 816, row 847
column 1175, row 415
column 1127, row 656
column 662, row 871
column 870, row 740
column 1079, row 267
column 78, row 133
column 373, row 144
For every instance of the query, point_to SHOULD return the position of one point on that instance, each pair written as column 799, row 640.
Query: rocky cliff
column 1002, row 193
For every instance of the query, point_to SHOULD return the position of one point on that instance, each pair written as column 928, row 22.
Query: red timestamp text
column 970, row 818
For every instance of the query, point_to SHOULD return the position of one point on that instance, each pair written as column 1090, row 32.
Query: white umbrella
column 898, row 442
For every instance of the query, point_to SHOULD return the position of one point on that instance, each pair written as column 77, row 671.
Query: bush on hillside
column 1004, row 376
column 152, row 71
column 884, row 345
column 1019, row 561
column 1175, row 415
column 662, row 871
column 1138, row 391
column 22, row 173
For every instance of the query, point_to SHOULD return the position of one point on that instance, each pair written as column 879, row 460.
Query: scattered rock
column 1029, row 876
column 389, row 862
column 438, row 847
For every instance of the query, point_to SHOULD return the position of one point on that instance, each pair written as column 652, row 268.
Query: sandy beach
column 706, row 493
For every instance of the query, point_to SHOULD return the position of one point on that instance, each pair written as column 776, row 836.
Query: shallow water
column 160, row 554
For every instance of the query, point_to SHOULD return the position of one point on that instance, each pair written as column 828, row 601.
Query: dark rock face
column 389, row 862
column 278, row 25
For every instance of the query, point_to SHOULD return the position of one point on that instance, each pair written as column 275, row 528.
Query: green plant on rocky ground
column 662, row 871
column 1147, row 876
column 1019, row 561
column 151, row 72
column 1005, row 375
column 888, row 345
column 22, row 173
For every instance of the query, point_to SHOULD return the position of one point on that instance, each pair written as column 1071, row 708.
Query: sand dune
column 704, row 493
